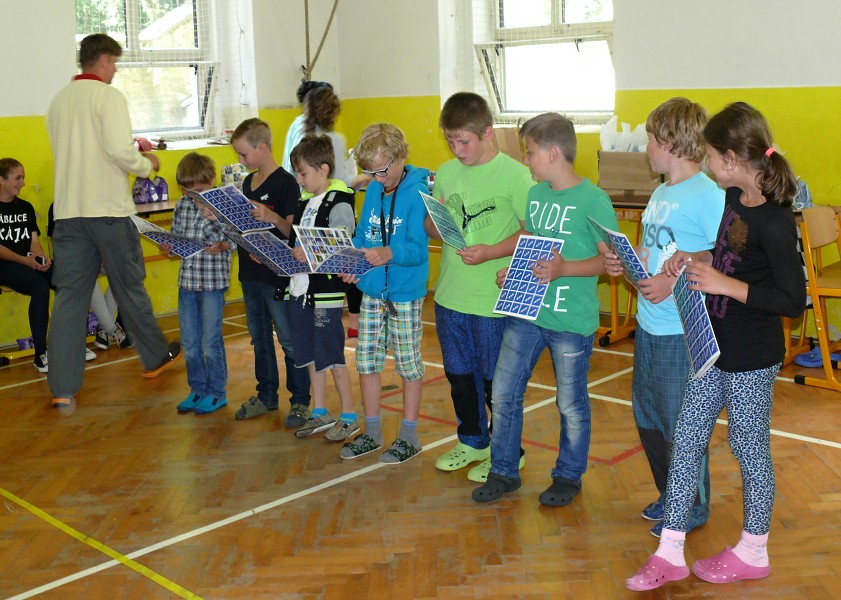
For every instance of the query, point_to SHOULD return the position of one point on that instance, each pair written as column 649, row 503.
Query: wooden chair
column 820, row 228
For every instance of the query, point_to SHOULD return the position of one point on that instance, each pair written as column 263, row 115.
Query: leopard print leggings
column 748, row 397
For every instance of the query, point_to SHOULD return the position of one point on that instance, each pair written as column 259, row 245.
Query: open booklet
column 444, row 222
column 181, row 246
column 330, row 250
column 697, row 329
column 622, row 247
column 231, row 208
column 522, row 294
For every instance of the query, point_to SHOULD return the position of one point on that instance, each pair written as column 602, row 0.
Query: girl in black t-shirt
column 751, row 277
column 24, row 266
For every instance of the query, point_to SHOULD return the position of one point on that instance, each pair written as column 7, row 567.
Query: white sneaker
column 89, row 354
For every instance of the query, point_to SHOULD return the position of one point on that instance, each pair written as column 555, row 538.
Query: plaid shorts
column 379, row 331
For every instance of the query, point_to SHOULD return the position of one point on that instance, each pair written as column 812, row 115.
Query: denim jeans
column 200, row 317
column 261, row 310
column 522, row 344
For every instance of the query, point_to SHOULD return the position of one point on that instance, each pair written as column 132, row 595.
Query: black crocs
column 495, row 487
column 561, row 492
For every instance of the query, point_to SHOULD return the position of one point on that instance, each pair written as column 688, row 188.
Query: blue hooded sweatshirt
column 408, row 269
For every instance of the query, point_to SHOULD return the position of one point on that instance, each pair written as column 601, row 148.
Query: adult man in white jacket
column 94, row 152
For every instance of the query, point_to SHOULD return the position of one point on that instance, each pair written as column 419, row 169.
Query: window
column 549, row 55
column 168, row 70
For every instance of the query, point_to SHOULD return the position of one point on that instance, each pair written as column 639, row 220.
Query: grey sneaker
column 298, row 415
column 253, row 407
column 342, row 430
column 315, row 424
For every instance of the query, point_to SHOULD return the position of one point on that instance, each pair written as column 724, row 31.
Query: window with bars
column 171, row 63
column 548, row 55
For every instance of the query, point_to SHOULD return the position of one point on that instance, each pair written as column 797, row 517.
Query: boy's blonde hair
column 384, row 139
column 679, row 123
column 466, row 111
column 195, row 169
column 552, row 129
column 254, row 131
column 314, row 150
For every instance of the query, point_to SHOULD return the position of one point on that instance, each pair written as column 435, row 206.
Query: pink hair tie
column 770, row 151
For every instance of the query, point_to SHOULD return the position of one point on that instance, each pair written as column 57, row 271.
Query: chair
column 10, row 354
column 820, row 228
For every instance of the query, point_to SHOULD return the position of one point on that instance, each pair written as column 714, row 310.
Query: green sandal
column 361, row 445
column 400, row 452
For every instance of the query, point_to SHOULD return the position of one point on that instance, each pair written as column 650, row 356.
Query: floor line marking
column 117, row 557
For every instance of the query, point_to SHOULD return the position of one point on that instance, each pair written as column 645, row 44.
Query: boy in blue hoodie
column 392, row 234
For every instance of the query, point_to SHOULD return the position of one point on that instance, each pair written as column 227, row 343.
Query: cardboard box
column 507, row 142
column 627, row 175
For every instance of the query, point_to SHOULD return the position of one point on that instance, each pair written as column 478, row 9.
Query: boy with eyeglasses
column 391, row 231
column 485, row 191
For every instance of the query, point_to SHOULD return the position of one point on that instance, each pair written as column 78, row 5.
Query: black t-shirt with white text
column 17, row 224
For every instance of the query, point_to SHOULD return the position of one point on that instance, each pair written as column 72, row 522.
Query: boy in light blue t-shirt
column 682, row 213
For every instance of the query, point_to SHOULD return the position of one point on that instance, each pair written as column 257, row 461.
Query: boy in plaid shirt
column 203, row 280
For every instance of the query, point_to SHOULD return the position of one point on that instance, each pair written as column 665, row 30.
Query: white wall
column 280, row 48
column 391, row 48
column 388, row 48
column 663, row 44
column 39, row 46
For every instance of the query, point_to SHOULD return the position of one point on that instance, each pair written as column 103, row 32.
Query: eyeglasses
column 379, row 172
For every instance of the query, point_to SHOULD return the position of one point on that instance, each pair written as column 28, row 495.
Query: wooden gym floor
column 127, row 499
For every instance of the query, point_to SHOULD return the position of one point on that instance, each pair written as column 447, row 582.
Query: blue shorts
column 319, row 335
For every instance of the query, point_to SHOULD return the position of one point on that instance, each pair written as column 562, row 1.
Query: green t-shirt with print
column 571, row 303
column 488, row 202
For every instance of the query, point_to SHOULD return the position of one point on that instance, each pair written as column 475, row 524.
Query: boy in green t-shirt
column 559, row 206
column 485, row 191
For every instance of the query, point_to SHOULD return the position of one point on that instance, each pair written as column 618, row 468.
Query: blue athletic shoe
column 654, row 511
column 209, row 404
column 697, row 518
column 188, row 404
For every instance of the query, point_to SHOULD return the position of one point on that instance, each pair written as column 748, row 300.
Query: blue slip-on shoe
column 209, row 404
column 188, row 404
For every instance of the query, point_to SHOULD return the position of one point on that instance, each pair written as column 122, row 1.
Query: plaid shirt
column 203, row 271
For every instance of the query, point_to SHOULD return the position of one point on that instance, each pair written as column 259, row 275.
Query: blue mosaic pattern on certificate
column 270, row 250
column 521, row 294
column 183, row 247
column 351, row 261
column 622, row 247
column 444, row 222
column 698, row 332
column 230, row 206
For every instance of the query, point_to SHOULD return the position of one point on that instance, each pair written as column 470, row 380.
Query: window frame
column 198, row 58
column 491, row 58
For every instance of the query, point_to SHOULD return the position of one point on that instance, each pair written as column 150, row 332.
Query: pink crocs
column 655, row 572
column 726, row 567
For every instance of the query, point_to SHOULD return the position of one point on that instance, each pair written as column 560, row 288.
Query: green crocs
column 479, row 473
column 461, row 456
